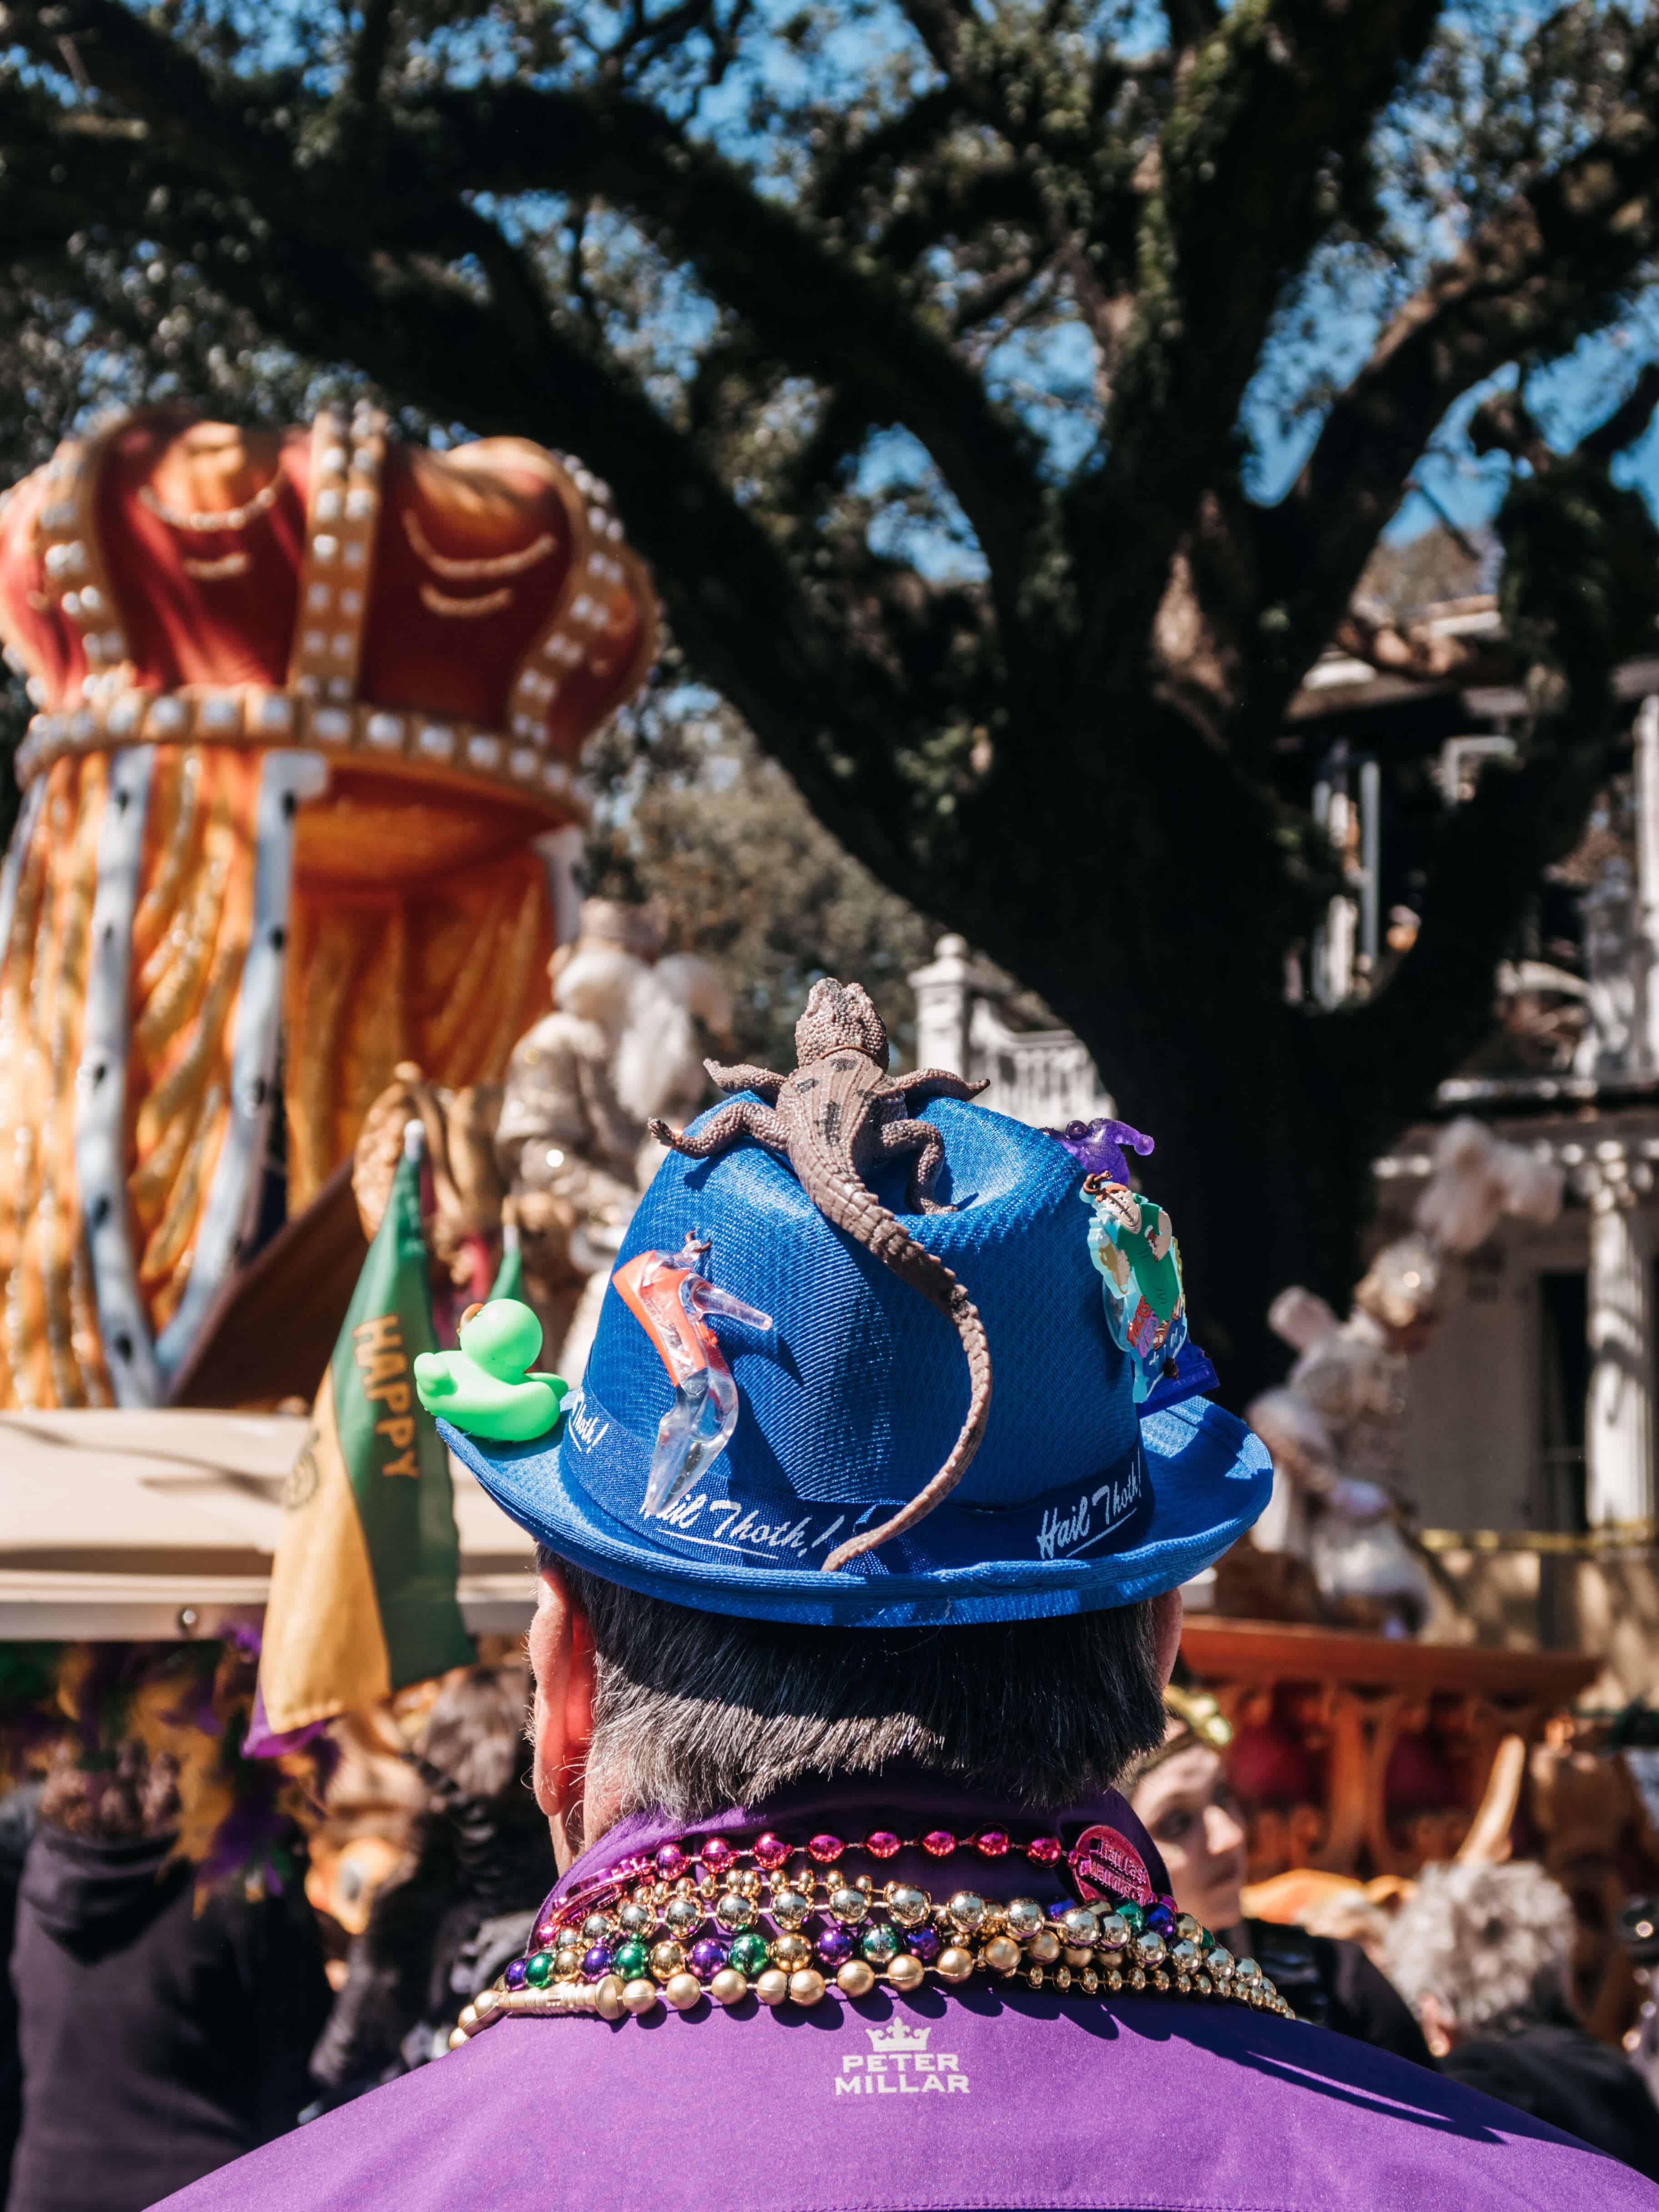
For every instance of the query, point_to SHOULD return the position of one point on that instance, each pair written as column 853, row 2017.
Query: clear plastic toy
column 670, row 1300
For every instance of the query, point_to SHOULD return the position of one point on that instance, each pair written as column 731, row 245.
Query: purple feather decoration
column 263, row 1741
column 1097, row 1146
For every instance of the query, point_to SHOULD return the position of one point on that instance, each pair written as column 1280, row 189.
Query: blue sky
column 1567, row 398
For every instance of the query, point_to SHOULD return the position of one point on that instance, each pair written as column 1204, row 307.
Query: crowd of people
column 1470, row 1975
column 203, row 2010
column 163, row 1947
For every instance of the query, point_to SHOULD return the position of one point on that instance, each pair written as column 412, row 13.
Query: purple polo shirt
column 986, row 2097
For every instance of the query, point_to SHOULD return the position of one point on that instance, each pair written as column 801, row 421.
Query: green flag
column 362, row 1594
column 509, row 1276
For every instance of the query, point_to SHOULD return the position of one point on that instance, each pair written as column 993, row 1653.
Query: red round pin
column 1103, row 1862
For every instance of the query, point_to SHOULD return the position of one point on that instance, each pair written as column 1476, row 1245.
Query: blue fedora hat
column 1075, row 1500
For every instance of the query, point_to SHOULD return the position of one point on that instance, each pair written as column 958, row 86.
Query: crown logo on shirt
column 896, row 2037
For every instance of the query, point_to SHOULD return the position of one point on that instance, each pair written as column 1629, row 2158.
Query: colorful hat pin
column 1097, row 1146
column 671, row 1300
column 488, row 1388
column 1132, row 1244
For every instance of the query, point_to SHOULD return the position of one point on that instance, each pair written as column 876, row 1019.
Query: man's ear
column 562, row 1716
column 1168, row 1612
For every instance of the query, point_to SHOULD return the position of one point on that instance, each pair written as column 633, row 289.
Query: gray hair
column 1489, row 1943
column 695, row 1712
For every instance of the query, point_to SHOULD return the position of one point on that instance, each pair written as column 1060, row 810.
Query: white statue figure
column 1335, row 1427
column 620, row 1046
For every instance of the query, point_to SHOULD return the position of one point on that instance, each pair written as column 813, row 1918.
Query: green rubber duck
column 488, row 1388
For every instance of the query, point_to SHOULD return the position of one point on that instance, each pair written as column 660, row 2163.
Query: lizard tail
column 919, row 1267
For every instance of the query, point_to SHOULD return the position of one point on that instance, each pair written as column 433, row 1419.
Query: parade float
column 311, row 704
column 298, row 804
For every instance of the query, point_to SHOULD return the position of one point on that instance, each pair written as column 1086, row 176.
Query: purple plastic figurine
column 1097, row 1146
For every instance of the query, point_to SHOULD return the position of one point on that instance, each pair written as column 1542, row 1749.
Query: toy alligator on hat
column 845, row 1427
column 832, row 1120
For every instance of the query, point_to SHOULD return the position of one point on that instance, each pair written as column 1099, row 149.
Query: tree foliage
column 938, row 353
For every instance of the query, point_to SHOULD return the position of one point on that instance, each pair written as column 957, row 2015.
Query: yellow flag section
column 325, row 1651
column 362, row 1592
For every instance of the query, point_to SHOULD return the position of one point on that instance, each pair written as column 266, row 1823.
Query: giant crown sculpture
column 308, row 703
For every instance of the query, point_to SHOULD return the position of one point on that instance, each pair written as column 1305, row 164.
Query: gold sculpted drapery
column 448, row 972
column 189, row 940
column 50, row 1353
column 444, row 968
column 190, row 928
column 308, row 701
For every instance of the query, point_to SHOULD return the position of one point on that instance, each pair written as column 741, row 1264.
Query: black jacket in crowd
column 17, row 1827
column 1332, row 1984
column 158, row 2041
column 1558, row 2072
column 481, row 1867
